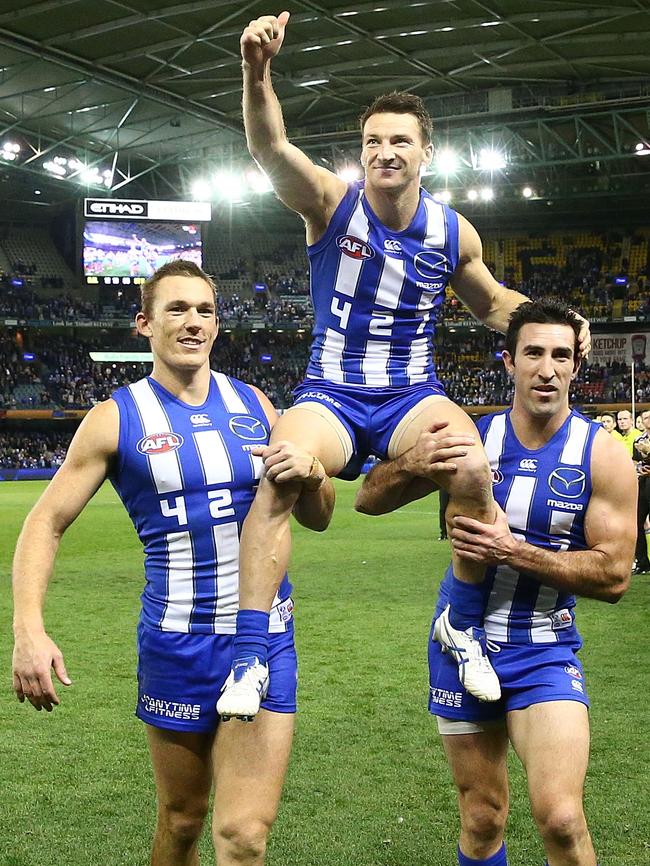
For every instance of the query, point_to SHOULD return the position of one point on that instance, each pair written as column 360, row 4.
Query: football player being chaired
column 565, row 527
column 183, row 448
column 382, row 252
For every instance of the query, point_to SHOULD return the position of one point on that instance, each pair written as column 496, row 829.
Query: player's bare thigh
column 432, row 409
column 182, row 766
column 313, row 427
column 250, row 761
column 552, row 742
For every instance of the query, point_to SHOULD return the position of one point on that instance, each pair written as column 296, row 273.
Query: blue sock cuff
column 467, row 603
column 498, row 859
column 252, row 637
column 252, row 621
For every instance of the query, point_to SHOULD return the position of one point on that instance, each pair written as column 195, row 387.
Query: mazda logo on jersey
column 159, row 443
column 430, row 264
column 354, row 247
column 567, row 482
column 247, row 427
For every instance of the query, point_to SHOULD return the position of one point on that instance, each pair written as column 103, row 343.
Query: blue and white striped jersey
column 187, row 479
column 545, row 494
column 376, row 293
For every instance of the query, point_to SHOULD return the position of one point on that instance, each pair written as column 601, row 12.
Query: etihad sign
column 135, row 209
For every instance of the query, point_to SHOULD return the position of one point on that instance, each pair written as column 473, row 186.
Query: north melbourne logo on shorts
column 170, row 709
column 446, row 698
column 573, row 671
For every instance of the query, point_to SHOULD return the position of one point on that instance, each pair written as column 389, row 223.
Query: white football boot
column 469, row 651
column 244, row 690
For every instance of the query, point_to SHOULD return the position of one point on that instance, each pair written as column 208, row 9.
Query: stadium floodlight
column 228, row 186
column 444, row 196
column 487, row 193
column 91, row 175
column 10, row 149
column 348, row 173
column 258, row 181
column 527, row 192
column 312, row 82
column 447, row 161
column 472, row 195
column 491, row 160
column 642, row 149
column 54, row 168
column 201, row 190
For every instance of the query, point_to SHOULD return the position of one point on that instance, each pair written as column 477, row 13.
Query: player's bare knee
column 183, row 821
column 472, row 481
column 561, row 822
column 241, row 841
column 483, row 816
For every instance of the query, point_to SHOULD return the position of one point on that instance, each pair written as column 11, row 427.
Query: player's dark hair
column 400, row 102
column 541, row 313
column 175, row 268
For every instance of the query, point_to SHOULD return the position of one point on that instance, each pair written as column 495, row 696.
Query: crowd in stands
column 33, row 450
column 62, row 374
column 265, row 338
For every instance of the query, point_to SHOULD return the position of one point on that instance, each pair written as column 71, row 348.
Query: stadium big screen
column 125, row 241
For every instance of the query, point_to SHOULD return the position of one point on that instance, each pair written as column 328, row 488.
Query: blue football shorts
column 180, row 677
column 529, row 674
column 370, row 415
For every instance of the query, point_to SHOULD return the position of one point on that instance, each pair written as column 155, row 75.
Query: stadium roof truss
column 148, row 92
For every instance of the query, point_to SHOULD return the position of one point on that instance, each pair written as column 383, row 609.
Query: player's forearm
column 33, row 563
column 389, row 485
column 590, row 573
column 263, row 119
column 314, row 508
column 498, row 316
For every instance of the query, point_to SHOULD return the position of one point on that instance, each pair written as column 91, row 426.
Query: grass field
column 368, row 785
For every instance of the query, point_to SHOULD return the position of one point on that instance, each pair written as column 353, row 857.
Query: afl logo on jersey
column 567, row 482
column 430, row 264
column 354, row 247
column 497, row 476
column 247, row 427
column 159, row 443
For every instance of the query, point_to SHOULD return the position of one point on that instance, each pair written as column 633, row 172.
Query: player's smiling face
column 183, row 324
column 393, row 153
column 543, row 367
